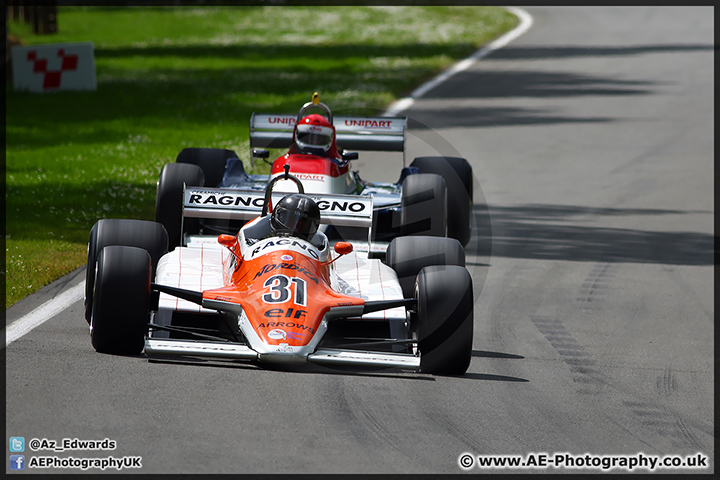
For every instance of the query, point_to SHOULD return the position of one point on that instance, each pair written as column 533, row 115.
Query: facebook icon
column 17, row 462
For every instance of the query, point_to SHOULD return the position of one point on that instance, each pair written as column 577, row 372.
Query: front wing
column 324, row 356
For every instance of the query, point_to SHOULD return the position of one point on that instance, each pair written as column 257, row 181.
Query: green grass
column 174, row 77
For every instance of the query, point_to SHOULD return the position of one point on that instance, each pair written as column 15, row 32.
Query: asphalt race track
column 591, row 139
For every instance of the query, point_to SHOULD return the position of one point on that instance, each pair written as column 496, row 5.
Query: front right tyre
column 212, row 161
column 121, row 300
column 150, row 236
column 169, row 200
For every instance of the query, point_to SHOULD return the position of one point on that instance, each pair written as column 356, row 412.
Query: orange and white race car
column 279, row 290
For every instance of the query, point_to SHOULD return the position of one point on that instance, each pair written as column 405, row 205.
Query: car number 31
column 280, row 290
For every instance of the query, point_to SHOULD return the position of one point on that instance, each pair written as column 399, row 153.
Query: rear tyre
column 408, row 255
column 423, row 205
column 210, row 160
column 458, row 176
column 169, row 200
column 444, row 319
column 120, row 310
column 149, row 236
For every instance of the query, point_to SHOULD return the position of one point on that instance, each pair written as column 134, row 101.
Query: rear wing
column 245, row 204
column 380, row 134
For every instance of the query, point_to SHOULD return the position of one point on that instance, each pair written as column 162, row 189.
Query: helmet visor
column 314, row 136
column 297, row 222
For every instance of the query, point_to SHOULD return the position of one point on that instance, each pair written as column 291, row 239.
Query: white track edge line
column 43, row 313
column 526, row 22
column 56, row 305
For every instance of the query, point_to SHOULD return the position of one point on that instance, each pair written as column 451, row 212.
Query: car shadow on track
column 496, row 378
column 203, row 362
column 566, row 232
column 493, row 377
column 485, row 354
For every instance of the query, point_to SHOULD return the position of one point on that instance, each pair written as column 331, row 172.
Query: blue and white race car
column 433, row 195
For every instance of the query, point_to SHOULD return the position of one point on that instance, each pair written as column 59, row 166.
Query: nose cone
column 286, row 325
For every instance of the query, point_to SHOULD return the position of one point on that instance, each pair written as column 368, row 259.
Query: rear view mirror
column 343, row 248
column 349, row 155
column 227, row 240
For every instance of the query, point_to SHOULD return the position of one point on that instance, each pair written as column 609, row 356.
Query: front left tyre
column 458, row 176
column 443, row 321
column 121, row 300
column 423, row 205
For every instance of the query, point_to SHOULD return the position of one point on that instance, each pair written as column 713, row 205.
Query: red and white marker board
column 49, row 68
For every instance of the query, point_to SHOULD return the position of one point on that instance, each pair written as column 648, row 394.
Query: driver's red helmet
column 314, row 134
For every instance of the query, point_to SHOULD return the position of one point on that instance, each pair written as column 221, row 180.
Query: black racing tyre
column 408, row 255
column 121, row 300
column 423, row 205
column 210, row 160
column 169, row 199
column 458, row 176
column 444, row 319
column 150, row 236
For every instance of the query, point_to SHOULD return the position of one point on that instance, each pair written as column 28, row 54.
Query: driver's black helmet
column 296, row 214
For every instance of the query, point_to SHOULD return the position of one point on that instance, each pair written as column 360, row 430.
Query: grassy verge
column 174, row 77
